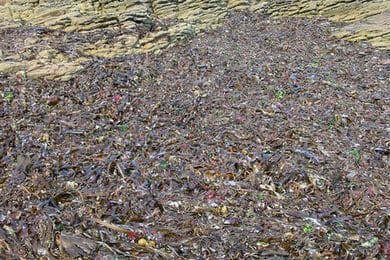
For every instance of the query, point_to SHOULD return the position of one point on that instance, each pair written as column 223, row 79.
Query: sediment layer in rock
column 119, row 28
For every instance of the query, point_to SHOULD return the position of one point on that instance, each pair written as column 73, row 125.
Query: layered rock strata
column 115, row 28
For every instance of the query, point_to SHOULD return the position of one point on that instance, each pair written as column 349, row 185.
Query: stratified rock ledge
column 125, row 27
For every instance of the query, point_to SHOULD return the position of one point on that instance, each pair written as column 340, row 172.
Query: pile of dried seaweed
column 262, row 138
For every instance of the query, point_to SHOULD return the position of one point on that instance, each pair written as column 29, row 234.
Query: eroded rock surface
column 121, row 27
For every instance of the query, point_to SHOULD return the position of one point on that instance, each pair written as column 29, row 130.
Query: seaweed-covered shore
column 263, row 138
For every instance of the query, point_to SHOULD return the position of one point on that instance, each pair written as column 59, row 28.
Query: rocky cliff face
column 67, row 34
